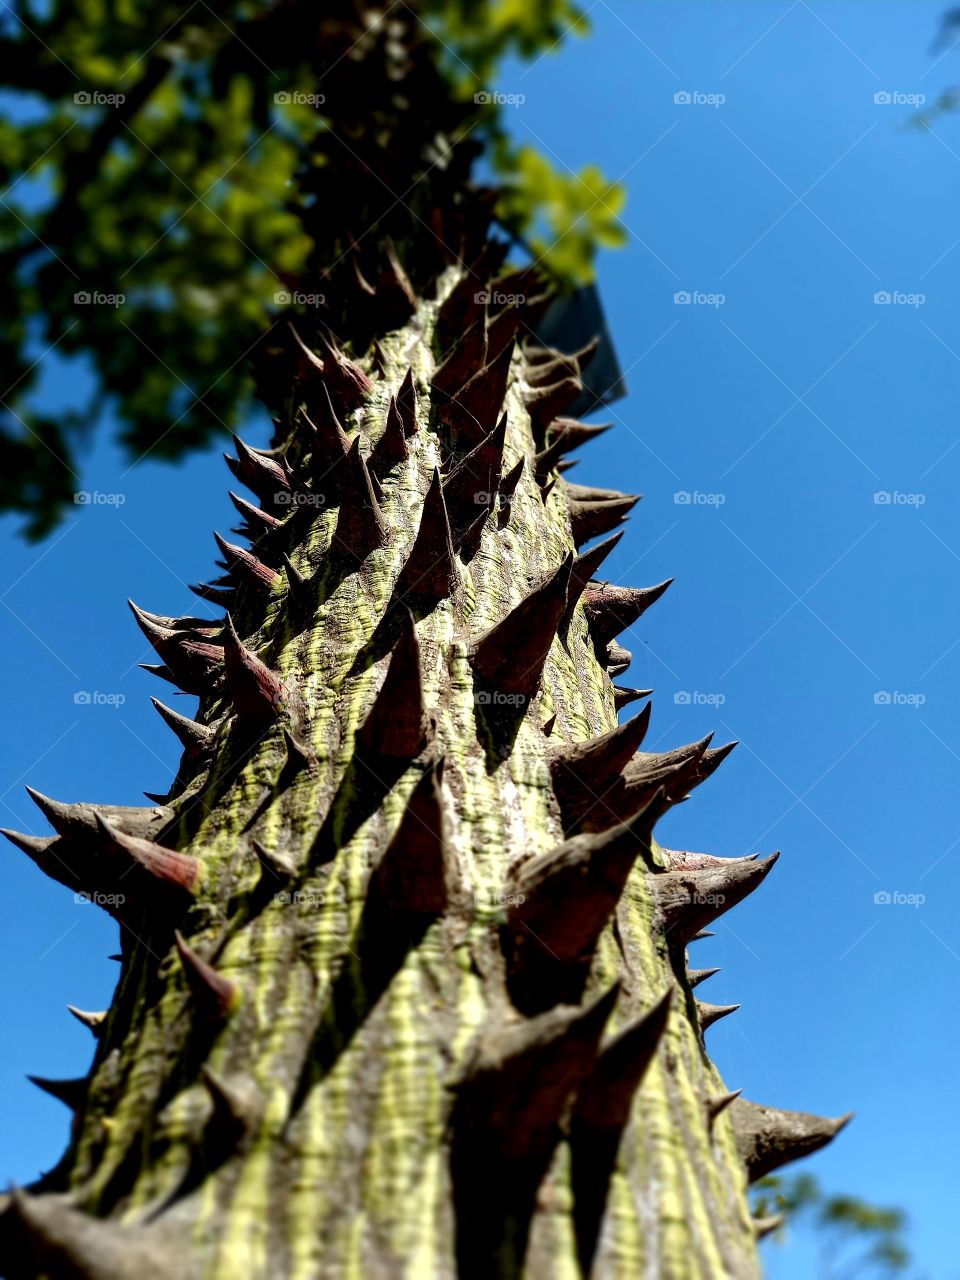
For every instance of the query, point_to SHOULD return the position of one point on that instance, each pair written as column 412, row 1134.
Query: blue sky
column 812, row 621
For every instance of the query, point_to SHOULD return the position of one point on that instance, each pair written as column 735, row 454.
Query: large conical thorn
column 616, row 659
column 93, row 1020
column 193, row 663
column 80, row 821
column 716, row 1103
column 407, row 405
column 261, row 474
column 591, row 765
column 430, row 573
column 768, row 1138
column 560, row 903
column 611, row 609
column 546, row 364
column 329, row 444
column 260, row 523
column 543, row 403
column 600, row 1115
column 587, row 492
column 474, row 410
column 302, row 589
column 462, row 310
column 510, row 656
column 360, row 525
column 565, row 436
column 696, row 976
column 687, row 901
column 708, row 1014
column 591, row 519
column 46, row 1235
column 466, row 358
column 597, row 807
column 208, row 591
column 72, row 1093
column 411, row 877
column 245, row 567
column 396, row 299
column 584, row 567
column 623, row 697
column 391, row 448
column 215, row 996
column 196, row 739
column 176, row 873
column 346, row 380
column 258, row 694
column 472, row 484
column 501, row 330
column 506, row 1125
column 397, row 725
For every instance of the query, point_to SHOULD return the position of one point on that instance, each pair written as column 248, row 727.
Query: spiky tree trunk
column 403, row 988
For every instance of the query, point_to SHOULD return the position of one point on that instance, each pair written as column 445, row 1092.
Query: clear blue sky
column 798, row 598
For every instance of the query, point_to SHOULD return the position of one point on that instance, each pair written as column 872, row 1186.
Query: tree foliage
column 152, row 224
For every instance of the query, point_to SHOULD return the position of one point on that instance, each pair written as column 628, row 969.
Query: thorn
column 261, row 522
column 360, row 527
column 466, row 358
column 301, row 589
column 179, row 872
column 606, row 1096
column 215, row 995
column 593, row 764
column 430, row 573
column 717, row 1102
column 396, row 292
column 544, row 403
column 278, row 864
column 256, row 691
column 396, row 726
column 768, row 1138
column 207, row 592
column 611, row 610
column 470, row 541
column 475, row 480
column 379, row 360
column 766, row 1226
column 510, row 656
column 407, row 405
column 585, row 566
column 708, row 1014
column 298, row 756
column 79, row 821
column 548, row 726
column 245, row 566
column 617, row 659
column 623, row 697
column 346, row 379
column 189, row 662
column 508, row 486
column 32, row 846
column 235, row 1109
column 561, row 901
column 501, row 330
column 261, row 474
column 92, row 1021
column 411, row 875
column 329, row 443
column 573, row 433
column 72, row 1093
column 704, row 933
column 474, row 410
column 156, row 797
column 586, row 492
column 391, row 448
column 196, row 739
column 687, row 901
column 696, row 976
column 591, row 519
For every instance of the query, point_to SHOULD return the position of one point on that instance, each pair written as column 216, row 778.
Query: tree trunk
column 403, row 990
